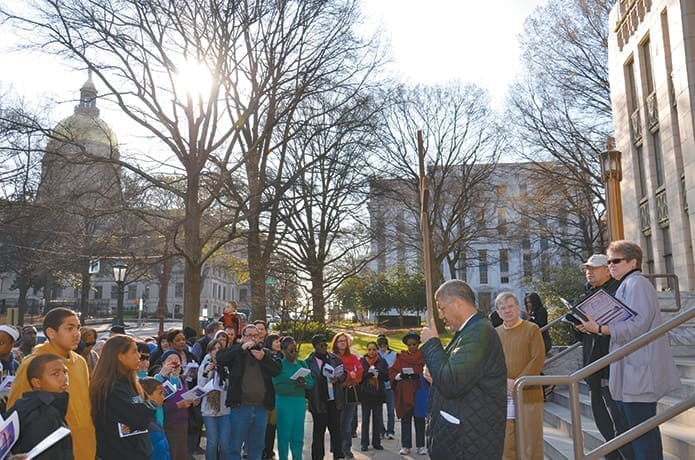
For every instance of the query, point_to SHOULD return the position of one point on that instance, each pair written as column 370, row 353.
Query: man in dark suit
column 468, row 397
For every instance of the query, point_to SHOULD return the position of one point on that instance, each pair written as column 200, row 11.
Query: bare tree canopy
column 217, row 84
column 561, row 108
column 463, row 141
column 323, row 211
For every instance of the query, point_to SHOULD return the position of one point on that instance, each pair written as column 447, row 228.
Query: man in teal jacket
column 468, row 399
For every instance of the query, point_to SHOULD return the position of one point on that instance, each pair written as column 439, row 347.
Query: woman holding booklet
column 641, row 378
column 290, row 402
column 215, row 412
column 121, row 413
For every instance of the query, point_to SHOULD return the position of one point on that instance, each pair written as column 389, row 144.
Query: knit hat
column 318, row 338
column 168, row 353
column 411, row 335
column 11, row 331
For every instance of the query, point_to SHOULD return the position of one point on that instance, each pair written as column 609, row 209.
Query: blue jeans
column 248, row 428
column 346, row 416
column 390, row 416
column 648, row 446
column 218, row 431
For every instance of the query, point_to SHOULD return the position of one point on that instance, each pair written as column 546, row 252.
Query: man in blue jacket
column 468, row 397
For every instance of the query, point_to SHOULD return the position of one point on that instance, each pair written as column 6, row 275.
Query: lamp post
column 119, row 272
column 612, row 174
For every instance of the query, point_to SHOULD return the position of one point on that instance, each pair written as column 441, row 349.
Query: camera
column 258, row 346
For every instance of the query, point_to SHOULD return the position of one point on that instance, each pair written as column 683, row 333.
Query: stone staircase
column 678, row 434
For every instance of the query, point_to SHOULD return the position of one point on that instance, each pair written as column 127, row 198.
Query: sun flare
column 193, row 79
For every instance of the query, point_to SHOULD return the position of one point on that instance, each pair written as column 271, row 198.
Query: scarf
column 374, row 381
column 404, row 391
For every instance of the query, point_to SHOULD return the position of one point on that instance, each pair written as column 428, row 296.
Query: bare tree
column 323, row 211
column 562, row 113
column 462, row 143
column 226, row 135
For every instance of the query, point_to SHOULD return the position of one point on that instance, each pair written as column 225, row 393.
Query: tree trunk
column 163, row 294
column 22, row 301
column 192, row 254
column 256, row 273
column 317, row 299
column 86, row 286
column 191, row 296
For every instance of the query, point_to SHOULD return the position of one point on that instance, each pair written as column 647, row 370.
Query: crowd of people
column 248, row 391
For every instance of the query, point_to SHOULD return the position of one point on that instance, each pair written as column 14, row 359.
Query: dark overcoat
column 467, row 409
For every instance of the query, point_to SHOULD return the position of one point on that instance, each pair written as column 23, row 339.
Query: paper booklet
column 47, row 442
column 602, row 307
column 124, row 431
column 6, row 383
column 9, row 432
column 333, row 372
column 191, row 366
column 168, row 388
column 301, row 372
column 198, row 392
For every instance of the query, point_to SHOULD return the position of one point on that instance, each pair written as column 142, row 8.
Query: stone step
column 686, row 366
column 686, row 390
column 678, row 438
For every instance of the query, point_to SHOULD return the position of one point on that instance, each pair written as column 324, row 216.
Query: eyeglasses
column 615, row 261
column 89, row 344
column 144, row 357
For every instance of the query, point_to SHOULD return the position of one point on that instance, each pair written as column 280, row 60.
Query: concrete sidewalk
column 390, row 452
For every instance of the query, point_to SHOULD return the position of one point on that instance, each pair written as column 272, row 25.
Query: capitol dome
column 85, row 126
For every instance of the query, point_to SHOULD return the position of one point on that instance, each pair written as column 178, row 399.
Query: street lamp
column 612, row 174
column 119, row 272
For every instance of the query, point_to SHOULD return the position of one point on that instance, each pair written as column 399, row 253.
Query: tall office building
column 652, row 76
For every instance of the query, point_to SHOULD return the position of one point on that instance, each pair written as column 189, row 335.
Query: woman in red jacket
column 404, row 375
column 353, row 376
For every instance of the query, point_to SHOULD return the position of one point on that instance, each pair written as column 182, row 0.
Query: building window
column 482, row 266
column 178, row 289
column 114, row 292
column 668, row 255
column 243, row 294
column 504, row 266
column 132, row 292
column 642, row 177
column 502, row 221
column 658, row 158
column 461, row 271
column 647, row 61
column 526, row 250
column 649, row 253
column 484, row 301
column 98, row 292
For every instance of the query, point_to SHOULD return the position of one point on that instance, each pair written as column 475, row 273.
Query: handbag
column 351, row 396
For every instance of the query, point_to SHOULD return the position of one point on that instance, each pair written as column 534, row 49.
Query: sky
column 468, row 40
column 431, row 42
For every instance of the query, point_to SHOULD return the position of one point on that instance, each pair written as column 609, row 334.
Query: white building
column 510, row 243
column 652, row 78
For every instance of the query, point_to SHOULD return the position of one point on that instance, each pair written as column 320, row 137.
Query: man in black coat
column 250, row 369
column 608, row 418
column 326, row 399
column 467, row 409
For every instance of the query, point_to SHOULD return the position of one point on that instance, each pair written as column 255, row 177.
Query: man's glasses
column 144, row 357
column 615, row 261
